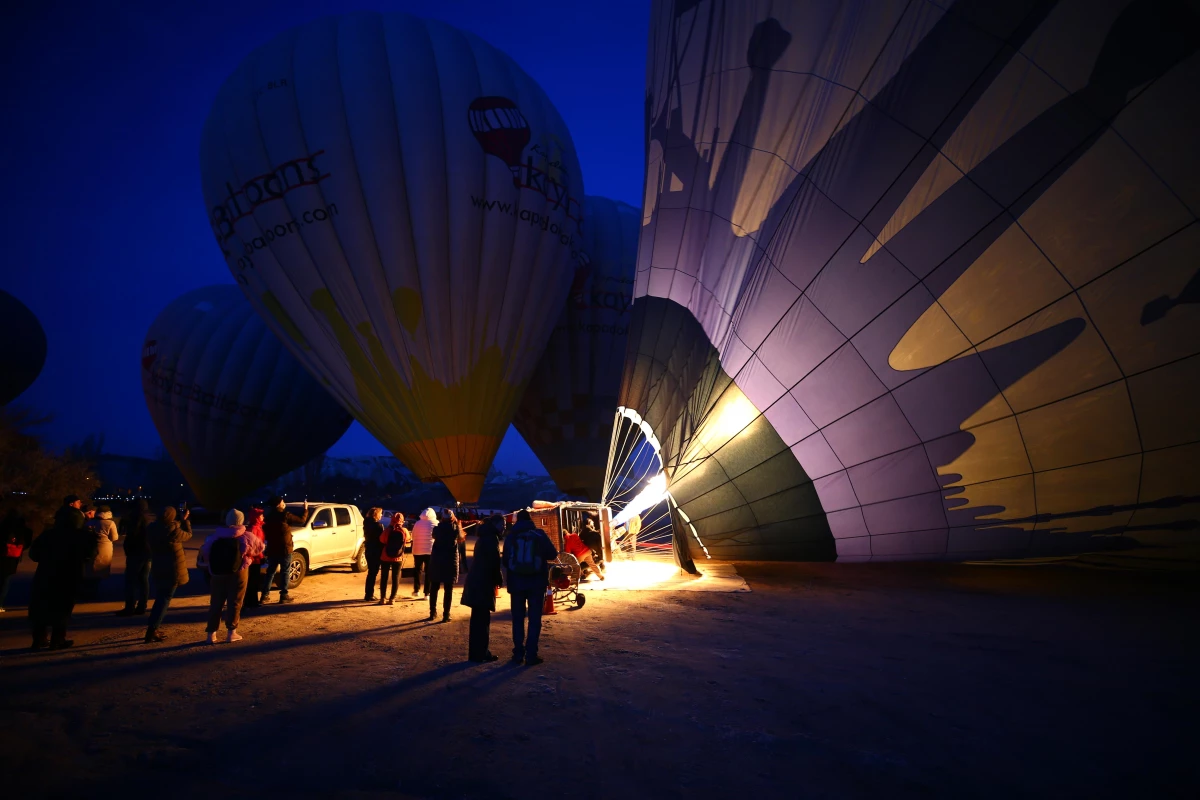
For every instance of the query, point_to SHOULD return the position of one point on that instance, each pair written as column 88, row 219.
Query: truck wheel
column 297, row 568
column 360, row 560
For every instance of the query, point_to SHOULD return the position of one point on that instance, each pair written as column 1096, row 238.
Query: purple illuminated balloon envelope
column 920, row 283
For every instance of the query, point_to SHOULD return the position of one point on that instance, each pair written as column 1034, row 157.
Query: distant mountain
column 384, row 481
column 361, row 480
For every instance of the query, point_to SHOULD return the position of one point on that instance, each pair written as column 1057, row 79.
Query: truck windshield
column 298, row 510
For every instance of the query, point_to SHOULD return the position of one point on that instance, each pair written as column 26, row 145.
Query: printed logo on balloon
column 502, row 131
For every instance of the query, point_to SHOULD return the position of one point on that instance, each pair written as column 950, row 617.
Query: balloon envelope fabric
column 401, row 202
column 22, row 348
column 566, row 416
column 235, row 410
column 918, row 280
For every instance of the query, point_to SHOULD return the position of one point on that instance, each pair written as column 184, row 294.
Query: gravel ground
column 902, row 680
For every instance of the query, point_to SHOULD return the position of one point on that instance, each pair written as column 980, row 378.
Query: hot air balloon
column 401, row 203
column 234, row 409
column 566, row 416
column 919, row 282
column 23, row 345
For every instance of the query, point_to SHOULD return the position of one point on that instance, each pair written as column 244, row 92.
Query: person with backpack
column 229, row 551
column 480, row 592
column 15, row 537
column 372, row 548
column 391, row 557
column 254, row 530
column 132, row 529
column 528, row 552
column 168, row 565
column 422, row 546
column 443, row 564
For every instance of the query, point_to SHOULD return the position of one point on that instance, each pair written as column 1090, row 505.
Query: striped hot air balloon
column 401, row 203
column 234, row 408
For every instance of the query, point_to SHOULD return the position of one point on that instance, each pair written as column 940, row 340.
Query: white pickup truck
column 332, row 535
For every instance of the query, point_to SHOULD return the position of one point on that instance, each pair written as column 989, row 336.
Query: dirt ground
column 901, row 680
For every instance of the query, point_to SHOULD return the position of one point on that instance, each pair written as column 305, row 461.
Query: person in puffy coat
column 137, row 558
column 233, row 548
column 483, row 579
column 422, row 546
column 168, row 565
column 105, row 531
column 254, row 529
column 59, row 552
column 444, row 564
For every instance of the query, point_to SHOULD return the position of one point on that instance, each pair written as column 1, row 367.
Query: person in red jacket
column 391, row 558
column 573, row 544
column 254, row 528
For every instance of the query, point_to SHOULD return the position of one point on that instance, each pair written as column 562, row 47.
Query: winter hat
column 233, row 518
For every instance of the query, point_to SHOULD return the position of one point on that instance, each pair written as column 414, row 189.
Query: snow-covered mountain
column 383, row 480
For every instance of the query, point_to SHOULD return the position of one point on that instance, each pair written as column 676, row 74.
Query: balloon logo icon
column 501, row 130
column 149, row 353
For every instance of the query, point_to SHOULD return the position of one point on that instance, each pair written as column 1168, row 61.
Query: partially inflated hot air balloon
column 401, row 203
column 22, row 348
column 920, row 281
column 234, row 409
column 566, row 416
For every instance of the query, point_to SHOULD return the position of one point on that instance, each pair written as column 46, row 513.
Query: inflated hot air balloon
column 566, row 416
column 401, row 203
column 234, row 409
column 22, row 348
column 920, row 281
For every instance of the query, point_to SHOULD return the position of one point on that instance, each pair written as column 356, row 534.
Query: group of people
column 75, row 553
column 78, row 548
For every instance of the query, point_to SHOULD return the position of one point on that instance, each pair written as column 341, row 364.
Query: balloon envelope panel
column 402, row 203
column 235, row 410
column 566, row 416
column 947, row 254
column 22, row 348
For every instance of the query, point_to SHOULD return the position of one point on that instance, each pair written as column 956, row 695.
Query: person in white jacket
column 99, row 567
column 422, row 546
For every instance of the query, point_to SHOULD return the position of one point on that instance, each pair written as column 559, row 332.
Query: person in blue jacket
column 528, row 552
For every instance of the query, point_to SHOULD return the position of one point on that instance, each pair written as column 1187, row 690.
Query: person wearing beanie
column 229, row 552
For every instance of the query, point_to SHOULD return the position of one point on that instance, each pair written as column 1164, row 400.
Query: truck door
column 323, row 545
column 344, row 538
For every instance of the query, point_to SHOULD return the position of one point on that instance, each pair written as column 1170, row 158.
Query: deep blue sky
column 103, row 220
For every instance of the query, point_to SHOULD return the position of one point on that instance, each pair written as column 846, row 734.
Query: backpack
column 393, row 543
column 224, row 557
column 525, row 559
